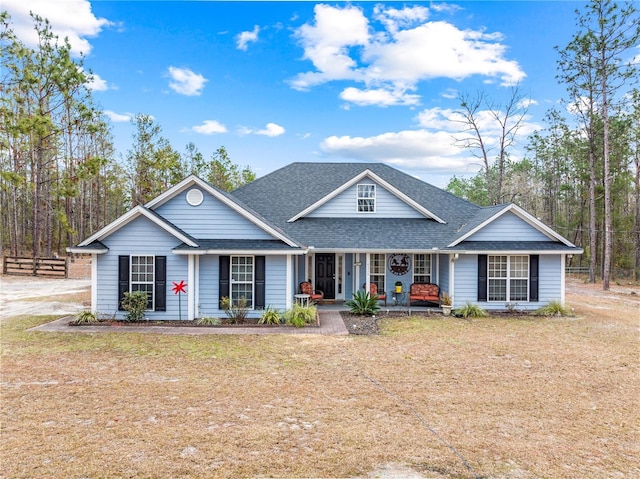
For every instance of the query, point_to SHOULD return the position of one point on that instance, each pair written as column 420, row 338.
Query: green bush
column 363, row 304
column 135, row 304
column 471, row 311
column 270, row 316
column 300, row 316
column 236, row 312
column 85, row 317
column 554, row 308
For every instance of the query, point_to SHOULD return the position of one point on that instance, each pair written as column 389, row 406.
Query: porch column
column 289, row 283
column 94, row 283
column 452, row 278
column 191, row 287
column 367, row 273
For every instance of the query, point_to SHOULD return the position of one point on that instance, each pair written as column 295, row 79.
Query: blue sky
column 277, row 82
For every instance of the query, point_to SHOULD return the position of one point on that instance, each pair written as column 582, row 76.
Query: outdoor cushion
column 424, row 292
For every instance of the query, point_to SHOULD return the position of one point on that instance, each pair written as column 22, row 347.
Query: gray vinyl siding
column 275, row 286
column 466, row 283
column 212, row 219
column 508, row 227
column 345, row 205
column 140, row 237
column 443, row 279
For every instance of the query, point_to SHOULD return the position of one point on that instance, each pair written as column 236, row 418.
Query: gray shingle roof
column 236, row 244
column 512, row 246
column 286, row 192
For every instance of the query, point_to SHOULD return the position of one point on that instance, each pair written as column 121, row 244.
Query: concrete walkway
column 331, row 323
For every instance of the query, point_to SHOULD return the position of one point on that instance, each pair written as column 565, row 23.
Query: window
column 366, row 198
column 508, row 278
column 422, row 268
column 242, row 277
column 142, row 277
column 377, row 265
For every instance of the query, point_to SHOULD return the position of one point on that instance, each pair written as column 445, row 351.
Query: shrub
column 135, row 304
column 84, row 317
column 270, row 316
column 471, row 311
column 363, row 304
column 208, row 321
column 237, row 311
column 300, row 316
column 554, row 308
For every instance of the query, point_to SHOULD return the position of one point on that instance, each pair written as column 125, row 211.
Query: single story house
column 341, row 226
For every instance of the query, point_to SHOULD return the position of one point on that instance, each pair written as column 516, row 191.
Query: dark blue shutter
column 223, row 282
column 534, row 266
column 123, row 279
column 161, row 284
column 482, row 277
column 260, row 282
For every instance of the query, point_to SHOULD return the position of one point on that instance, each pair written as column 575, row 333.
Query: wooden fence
column 51, row 267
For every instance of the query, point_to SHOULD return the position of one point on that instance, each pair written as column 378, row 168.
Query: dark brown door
column 326, row 274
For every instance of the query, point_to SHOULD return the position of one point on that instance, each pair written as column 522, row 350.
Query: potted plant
column 398, row 286
column 446, row 303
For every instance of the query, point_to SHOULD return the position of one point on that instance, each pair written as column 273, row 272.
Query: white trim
column 129, row 217
column 192, row 179
column 368, row 173
column 288, row 283
column 523, row 215
column 512, row 252
column 563, row 263
column 358, row 198
column 191, row 282
column 91, row 251
column 196, row 298
column 94, row 283
column 237, row 252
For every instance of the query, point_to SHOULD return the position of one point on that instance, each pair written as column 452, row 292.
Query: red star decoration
column 179, row 287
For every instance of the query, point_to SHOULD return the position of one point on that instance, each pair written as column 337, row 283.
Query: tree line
column 581, row 172
column 61, row 179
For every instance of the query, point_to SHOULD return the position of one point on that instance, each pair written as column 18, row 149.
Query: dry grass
column 517, row 398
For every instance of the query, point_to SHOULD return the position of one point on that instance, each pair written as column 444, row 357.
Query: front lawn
column 516, row 398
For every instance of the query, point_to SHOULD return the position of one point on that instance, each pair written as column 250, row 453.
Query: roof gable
column 225, row 199
column 366, row 175
column 481, row 229
column 133, row 214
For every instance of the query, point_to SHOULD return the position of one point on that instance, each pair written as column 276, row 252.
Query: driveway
column 31, row 296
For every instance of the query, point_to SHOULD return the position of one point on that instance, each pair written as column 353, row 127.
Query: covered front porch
column 340, row 274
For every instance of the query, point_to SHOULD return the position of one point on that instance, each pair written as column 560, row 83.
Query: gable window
column 422, row 268
column 377, row 265
column 508, row 278
column 242, row 279
column 366, row 198
column 143, row 273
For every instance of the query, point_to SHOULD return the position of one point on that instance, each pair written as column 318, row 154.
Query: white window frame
column 151, row 296
column 234, row 296
column 377, row 270
column 366, row 198
column 507, row 274
column 421, row 270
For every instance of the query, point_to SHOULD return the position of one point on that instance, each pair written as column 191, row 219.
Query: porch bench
column 429, row 292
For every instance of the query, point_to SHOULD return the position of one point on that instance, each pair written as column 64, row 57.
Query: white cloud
column 68, row 18
column 209, row 127
column 118, row 117
column 410, row 148
column 379, row 97
column 97, row 83
column 343, row 45
column 271, row 130
column 244, row 38
column 186, row 82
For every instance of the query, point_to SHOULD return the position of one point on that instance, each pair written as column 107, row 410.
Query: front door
column 326, row 274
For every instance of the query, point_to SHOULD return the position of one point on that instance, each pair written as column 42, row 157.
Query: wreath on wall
column 399, row 264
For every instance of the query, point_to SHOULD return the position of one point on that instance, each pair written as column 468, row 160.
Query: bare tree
column 489, row 132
